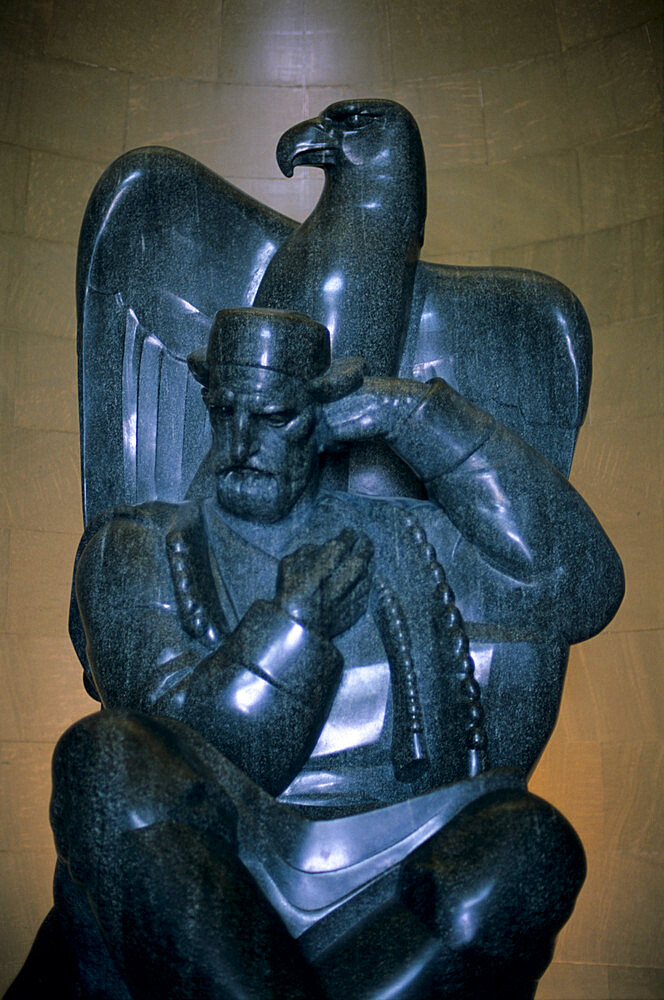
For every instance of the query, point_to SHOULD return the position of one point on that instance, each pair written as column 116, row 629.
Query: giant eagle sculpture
column 165, row 243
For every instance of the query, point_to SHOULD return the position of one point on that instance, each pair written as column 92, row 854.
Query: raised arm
column 530, row 537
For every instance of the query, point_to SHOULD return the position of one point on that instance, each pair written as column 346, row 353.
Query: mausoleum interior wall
column 542, row 125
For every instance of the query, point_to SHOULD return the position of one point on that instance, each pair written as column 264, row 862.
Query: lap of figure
column 202, row 885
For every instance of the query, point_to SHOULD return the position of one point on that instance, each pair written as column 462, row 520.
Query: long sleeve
column 518, row 515
column 261, row 696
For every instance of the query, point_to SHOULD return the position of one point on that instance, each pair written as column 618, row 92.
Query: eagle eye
column 357, row 119
column 352, row 119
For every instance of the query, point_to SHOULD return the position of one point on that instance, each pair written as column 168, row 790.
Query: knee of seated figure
column 541, row 864
column 116, row 772
column 504, row 872
column 93, row 788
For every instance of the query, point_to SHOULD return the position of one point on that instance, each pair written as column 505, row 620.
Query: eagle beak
column 309, row 143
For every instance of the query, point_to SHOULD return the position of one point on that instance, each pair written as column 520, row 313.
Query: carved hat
column 286, row 344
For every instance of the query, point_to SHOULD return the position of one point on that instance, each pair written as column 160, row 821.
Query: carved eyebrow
column 257, row 406
column 257, row 402
column 337, row 114
column 280, row 417
column 279, row 409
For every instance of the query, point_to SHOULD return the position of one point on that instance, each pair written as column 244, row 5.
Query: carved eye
column 218, row 413
column 280, row 419
column 357, row 119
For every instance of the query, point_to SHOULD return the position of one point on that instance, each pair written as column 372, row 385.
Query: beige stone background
column 543, row 131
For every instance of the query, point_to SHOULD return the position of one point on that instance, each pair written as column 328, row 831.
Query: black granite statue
column 326, row 605
column 166, row 243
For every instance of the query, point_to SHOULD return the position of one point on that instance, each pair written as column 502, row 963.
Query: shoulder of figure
column 154, row 516
column 130, row 541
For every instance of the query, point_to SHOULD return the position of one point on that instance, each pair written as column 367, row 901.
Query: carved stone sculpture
column 326, row 605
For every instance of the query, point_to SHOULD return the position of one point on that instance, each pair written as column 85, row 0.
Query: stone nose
column 244, row 441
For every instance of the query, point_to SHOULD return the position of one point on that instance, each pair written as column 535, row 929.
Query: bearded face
column 264, row 444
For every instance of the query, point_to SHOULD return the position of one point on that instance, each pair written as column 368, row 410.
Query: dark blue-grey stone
column 325, row 593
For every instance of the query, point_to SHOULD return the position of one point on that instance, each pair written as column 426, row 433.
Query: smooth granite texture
column 326, row 605
column 166, row 243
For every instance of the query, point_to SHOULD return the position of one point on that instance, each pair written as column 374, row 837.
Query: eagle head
column 359, row 139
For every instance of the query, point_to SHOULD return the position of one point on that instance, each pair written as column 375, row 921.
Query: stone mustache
column 330, row 575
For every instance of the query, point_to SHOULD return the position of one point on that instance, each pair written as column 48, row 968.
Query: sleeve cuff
column 271, row 643
column 441, row 432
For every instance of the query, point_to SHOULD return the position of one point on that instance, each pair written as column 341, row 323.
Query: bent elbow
column 599, row 592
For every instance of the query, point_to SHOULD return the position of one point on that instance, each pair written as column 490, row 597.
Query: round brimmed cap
column 285, row 342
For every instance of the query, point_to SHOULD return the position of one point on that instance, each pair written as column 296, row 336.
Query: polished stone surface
column 166, row 243
column 354, row 779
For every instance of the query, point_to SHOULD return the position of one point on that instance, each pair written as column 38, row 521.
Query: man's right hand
column 375, row 410
column 326, row 587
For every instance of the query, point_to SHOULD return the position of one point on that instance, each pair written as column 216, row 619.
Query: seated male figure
column 292, row 787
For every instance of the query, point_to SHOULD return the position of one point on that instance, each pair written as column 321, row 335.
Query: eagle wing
column 164, row 244
column 515, row 342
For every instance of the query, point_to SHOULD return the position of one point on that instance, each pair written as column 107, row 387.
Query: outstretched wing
column 515, row 342
column 164, row 244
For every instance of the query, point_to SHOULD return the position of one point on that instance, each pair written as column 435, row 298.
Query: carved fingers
column 326, row 587
column 374, row 411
